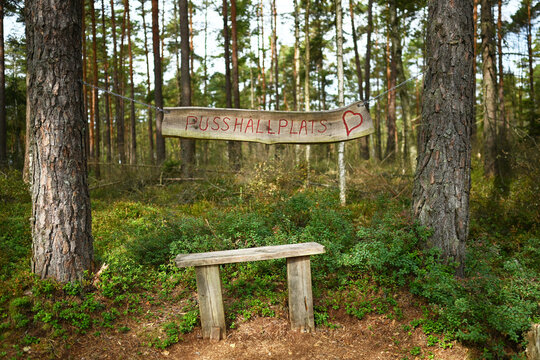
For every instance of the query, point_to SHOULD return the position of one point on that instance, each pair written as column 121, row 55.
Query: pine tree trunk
column 364, row 144
column 489, row 72
column 367, row 71
column 235, row 147
column 88, row 130
column 119, row 116
column 307, row 100
column 95, row 95
column 61, row 219
column 442, row 181
column 149, row 85
column 393, row 38
column 108, row 143
column 133, row 143
column 158, row 83
column 341, row 99
column 3, row 124
column 188, row 145
column 533, row 122
column 296, row 69
column 275, row 53
column 474, row 129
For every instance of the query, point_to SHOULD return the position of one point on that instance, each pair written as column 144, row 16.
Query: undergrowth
column 374, row 251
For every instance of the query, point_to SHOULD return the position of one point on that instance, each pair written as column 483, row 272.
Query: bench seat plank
column 249, row 254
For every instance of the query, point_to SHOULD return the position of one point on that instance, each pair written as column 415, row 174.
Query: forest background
column 282, row 193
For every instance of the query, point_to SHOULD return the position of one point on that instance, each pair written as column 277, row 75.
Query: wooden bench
column 209, row 282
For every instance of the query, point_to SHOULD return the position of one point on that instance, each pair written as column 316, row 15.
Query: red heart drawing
column 352, row 119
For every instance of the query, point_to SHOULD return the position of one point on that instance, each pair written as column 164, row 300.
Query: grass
column 375, row 251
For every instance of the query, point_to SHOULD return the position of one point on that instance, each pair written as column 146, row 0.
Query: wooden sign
column 269, row 127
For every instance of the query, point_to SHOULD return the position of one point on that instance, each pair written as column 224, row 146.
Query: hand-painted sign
column 269, row 127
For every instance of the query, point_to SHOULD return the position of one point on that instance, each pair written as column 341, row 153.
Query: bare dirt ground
column 374, row 337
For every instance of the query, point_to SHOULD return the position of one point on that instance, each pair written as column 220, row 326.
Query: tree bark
column 119, row 116
column 108, row 143
column 364, row 144
column 95, row 95
column 158, row 83
column 489, row 72
column 235, row 147
column 474, row 129
column 3, row 124
column 187, row 145
column 393, row 38
column 275, row 53
column 149, row 85
column 133, row 143
column 307, row 100
column 442, row 181
column 533, row 122
column 341, row 100
column 61, row 219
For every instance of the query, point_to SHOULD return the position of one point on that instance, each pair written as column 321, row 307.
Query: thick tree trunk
column 3, row 124
column 442, row 181
column 187, row 145
column 149, row 85
column 108, row 143
column 489, row 72
column 235, row 147
column 61, row 219
column 158, row 83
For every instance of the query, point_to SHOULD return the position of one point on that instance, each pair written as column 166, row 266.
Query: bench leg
column 210, row 302
column 300, row 294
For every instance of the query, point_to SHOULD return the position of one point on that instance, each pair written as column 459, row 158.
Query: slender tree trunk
column 341, row 98
column 149, row 85
column 177, row 53
column 133, row 152
column 89, row 130
column 391, row 140
column 367, row 71
column 191, row 49
column 307, row 100
column 474, row 129
column 502, row 115
column 188, row 145
column 235, row 147
column 95, row 95
column 263, row 51
column 227, row 55
column 533, row 122
column 275, row 53
column 108, row 144
column 296, row 69
column 61, row 219
column 116, row 86
column 364, row 144
column 442, row 181
column 3, row 124
column 158, row 82
column 489, row 71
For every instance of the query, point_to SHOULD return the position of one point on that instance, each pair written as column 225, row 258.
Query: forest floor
column 374, row 337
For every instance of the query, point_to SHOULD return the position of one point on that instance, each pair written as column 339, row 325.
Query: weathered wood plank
column 300, row 294
column 210, row 301
column 269, row 127
column 250, row 254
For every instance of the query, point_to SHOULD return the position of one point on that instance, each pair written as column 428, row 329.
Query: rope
column 124, row 97
column 163, row 111
column 392, row 89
